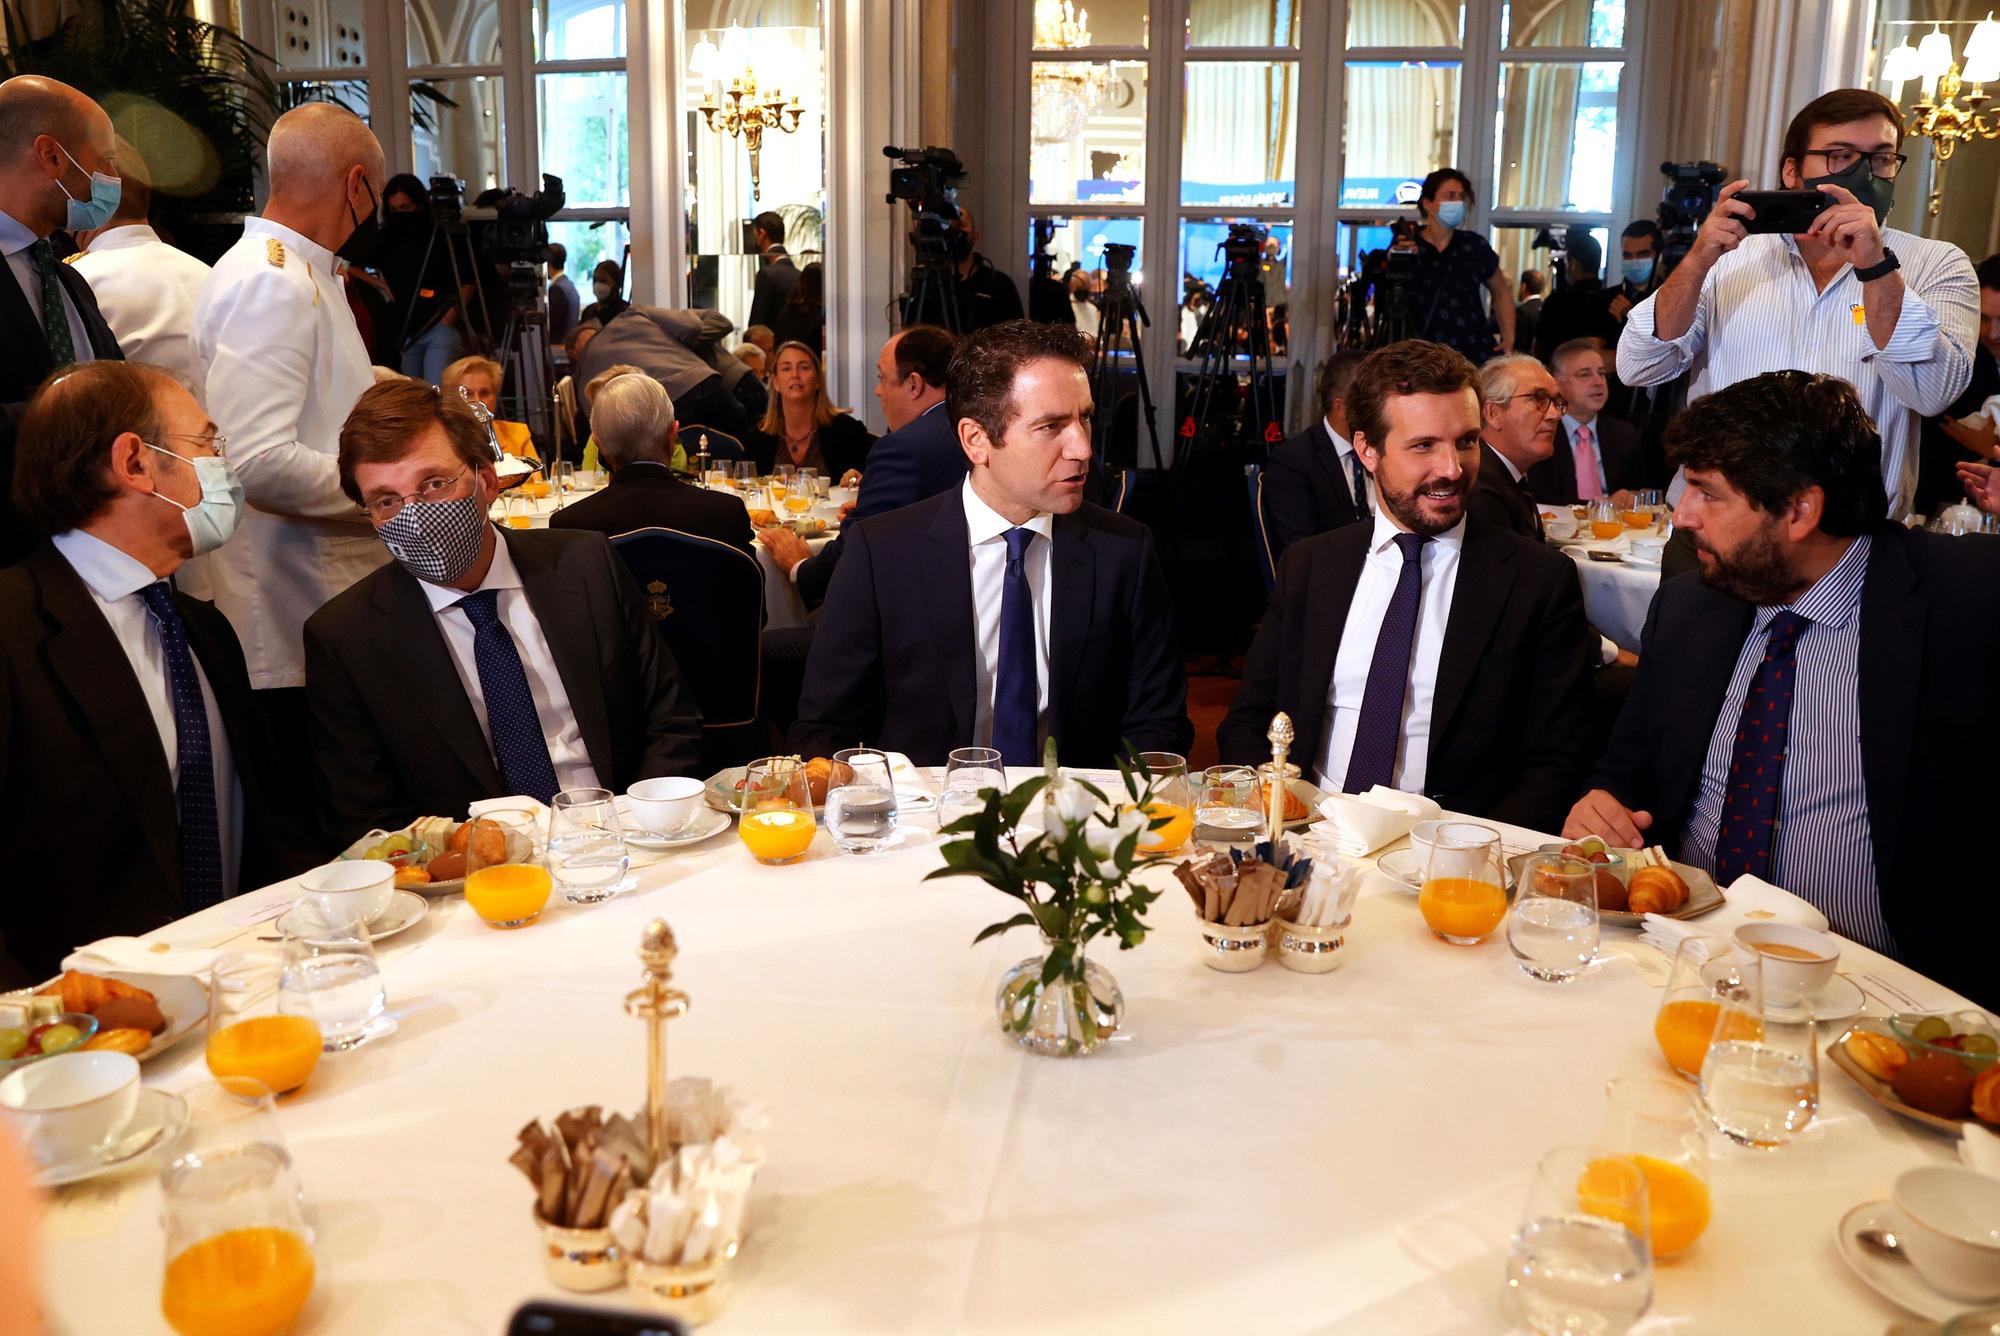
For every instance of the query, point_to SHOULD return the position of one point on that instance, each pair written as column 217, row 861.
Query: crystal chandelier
column 1064, row 93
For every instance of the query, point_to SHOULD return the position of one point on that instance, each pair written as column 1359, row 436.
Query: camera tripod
column 1234, row 328
column 933, row 290
column 1121, row 314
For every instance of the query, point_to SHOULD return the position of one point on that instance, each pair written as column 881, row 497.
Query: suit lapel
column 1893, row 612
column 1326, row 461
column 947, row 578
column 407, row 635
column 103, row 344
column 1073, row 590
column 30, row 345
column 1324, row 608
column 1562, row 465
column 1479, row 595
column 562, row 605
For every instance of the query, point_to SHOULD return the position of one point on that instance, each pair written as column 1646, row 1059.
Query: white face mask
column 603, row 291
column 212, row 519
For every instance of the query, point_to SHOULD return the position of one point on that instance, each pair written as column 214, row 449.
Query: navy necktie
column 1016, row 692
column 1360, row 485
column 194, row 793
column 518, row 743
column 1757, row 760
column 1380, row 727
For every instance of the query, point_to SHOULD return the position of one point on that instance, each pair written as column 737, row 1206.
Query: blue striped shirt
column 1821, row 850
column 1761, row 311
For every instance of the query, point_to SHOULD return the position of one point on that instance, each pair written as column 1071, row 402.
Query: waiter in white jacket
column 280, row 364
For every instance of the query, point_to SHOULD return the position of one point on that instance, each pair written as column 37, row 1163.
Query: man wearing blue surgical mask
column 1454, row 264
column 58, row 175
column 134, row 764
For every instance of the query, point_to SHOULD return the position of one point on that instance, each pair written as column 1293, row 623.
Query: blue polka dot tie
column 194, row 793
column 518, row 743
column 1379, row 729
column 1757, row 761
column 1016, row 690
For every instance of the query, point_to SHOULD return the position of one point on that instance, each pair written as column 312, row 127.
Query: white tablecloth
column 1616, row 594
column 1270, row 1151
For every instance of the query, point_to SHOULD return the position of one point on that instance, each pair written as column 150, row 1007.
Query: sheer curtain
column 1538, row 113
column 1238, row 117
column 1401, row 120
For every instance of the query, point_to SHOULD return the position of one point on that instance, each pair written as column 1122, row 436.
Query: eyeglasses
column 215, row 441
column 385, row 508
column 1884, row 164
column 1541, row 399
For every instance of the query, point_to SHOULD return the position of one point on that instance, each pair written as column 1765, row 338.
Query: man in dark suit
column 1519, row 418
column 1315, row 482
column 776, row 274
column 55, row 145
column 481, row 662
column 1593, row 455
column 137, row 781
column 1008, row 610
column 1843, row 657
column 633, row 421
column 1426, row 651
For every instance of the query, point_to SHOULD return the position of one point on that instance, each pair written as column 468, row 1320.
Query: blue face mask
column 1451, row 212
column 1639, row 272
column 212, row 519
column 87, row 215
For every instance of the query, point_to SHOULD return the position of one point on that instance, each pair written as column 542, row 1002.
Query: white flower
column 1071, row 802
column 1107, row 832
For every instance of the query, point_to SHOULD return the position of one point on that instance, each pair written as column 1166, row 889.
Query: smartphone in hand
column 1790, row 211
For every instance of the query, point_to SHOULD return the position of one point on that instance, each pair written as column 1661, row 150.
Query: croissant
column 1657, row 890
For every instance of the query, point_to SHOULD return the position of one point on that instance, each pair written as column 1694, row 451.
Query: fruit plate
column 723, row 794
column 1879, row 1090
column 182, row 999
column 1704, row 896
column 520, row 849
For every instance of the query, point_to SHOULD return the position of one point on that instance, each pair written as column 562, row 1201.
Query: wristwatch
column 1888, row 265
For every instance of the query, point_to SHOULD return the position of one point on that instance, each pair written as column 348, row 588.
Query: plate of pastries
column 432, row 854
column 139, row 1014
column 1941, row 1069
column 1632, row 883
column 724, row 790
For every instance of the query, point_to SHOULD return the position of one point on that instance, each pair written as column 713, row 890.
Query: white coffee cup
column 665, row 806
column 1423, row 835
column 1954, row 1228
column 1789, row 979
column 1559, row 525
column 1649, row 550
column 69, row 1106
column 353, row 889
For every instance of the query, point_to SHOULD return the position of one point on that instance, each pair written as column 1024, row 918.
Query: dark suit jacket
column 395, row 732
column 776, row 278
column 1304, row 491
column 1553, row 481
column 24, row 364
column 1930, row 651
column 844, row 444
column 1497, row 500
column 1513, row 688
column 645, row 493
column 892, row 658
column 919, row 459
column 88, row 805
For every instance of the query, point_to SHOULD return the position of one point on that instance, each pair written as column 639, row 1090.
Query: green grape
column 60, row 1038
column 12, row 1041
column 1982, row 1044
column 1931, row 1029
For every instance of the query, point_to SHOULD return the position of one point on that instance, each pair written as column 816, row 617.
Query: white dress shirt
column 1760, row 310
column 986, row 534
column 280, row 364
column 146, row 291
column 1380, row 570
column 15, row 239
column 1343, row 450
column 115, row 579
column 559, row 729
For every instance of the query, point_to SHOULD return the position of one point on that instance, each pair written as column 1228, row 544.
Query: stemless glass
column 1168, row 773
column 562, row 477
column 777, row 821
column 249, row 1035
column 1582, row 1259
column 1230, row 801
column 1706, row 972
column 861, row 813
column 520, row 510
column 239, row 1256
column 967, row 771
column 587, row 854
column 1760, row 1079
column 331, row 976
column 1655, row 1120
column 1554, row 930
column 1464, row 893
column 1605, row 521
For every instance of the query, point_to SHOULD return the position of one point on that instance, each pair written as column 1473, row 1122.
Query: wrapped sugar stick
column 1328, row 896
column 667, row 1226
column 553, row 1174
column 628, row 1222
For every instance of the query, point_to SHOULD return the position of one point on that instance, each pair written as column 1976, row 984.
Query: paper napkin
column 130, row 955
column 1980, row 1149
column 1749, row 900
column 1360, row 823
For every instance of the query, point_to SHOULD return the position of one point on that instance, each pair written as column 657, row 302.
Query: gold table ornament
column 1280, row 737
column 657, row 1001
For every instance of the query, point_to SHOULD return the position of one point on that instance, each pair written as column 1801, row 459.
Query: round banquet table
column 1616, row 594
column 1269, row 1151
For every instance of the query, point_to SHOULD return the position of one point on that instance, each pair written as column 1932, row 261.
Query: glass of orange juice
column 1464, row 893
column 777, row 821
column 1656, row 1121
column 238, row 1261
column 248, row 1035
column 520, row 511
column 1707, row 972
column 1605, row 520
column 508, row 895
column 1170, row 802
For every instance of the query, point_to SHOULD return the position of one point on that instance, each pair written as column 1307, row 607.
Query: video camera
column 519, row 232
column 1242, row 251
column 1684, row 202
column 928, row 182
column 1118, row 256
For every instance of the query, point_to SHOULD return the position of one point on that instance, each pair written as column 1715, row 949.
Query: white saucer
column 1403, row 867
column 1839, row 999
column 406, row 910
column 707, row 824
column 156, row 1120
column 1896, row 1281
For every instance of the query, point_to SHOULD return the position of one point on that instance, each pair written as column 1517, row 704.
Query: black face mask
column 360, row 244
column 1860, row 181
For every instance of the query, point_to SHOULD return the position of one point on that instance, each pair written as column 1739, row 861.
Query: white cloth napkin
column 1980, row 1149
column 1748, row 900
column 1361, row 823
column 129, row 955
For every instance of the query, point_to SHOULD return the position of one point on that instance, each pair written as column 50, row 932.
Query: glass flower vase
column 1067, row 1017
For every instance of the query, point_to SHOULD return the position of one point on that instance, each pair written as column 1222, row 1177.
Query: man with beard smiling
column 1802, row 710
column 1428, row 650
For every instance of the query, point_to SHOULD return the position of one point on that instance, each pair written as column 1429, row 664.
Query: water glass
column 1760, row 1078
column 1707, row 971
column 1656, row 1121
column 1167, row 773
column 1582, row 1259
column 1230, row 801
column 861, row 812
column 1464, row 894
column 331, row 977
column 562, row 477
column 745, row 471
column 238, row 1248
column 968, row 771
column 587, row 854
column 1554, row 930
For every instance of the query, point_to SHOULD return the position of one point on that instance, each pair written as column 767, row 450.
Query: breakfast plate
column 724, row 792
column 157, row 1121
column 406, row 910
column 181, row 998
column 1704, row 896
column 706, row 824
column 1891, row 1277
column 1881, row 1091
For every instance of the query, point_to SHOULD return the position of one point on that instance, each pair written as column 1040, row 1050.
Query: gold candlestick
column 657, row 1001
column 1280, row 738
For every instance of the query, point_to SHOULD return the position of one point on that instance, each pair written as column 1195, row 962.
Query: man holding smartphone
column 1894, row 314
